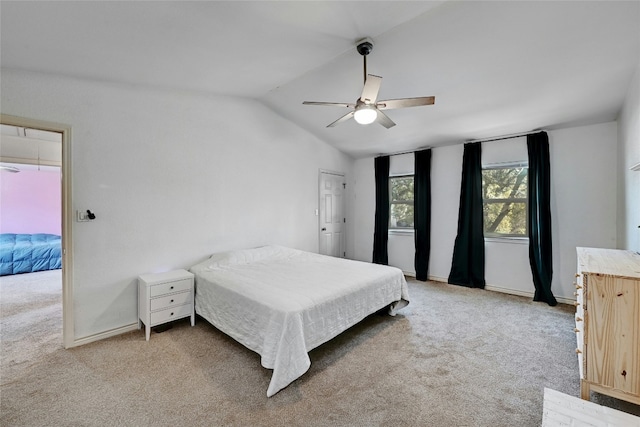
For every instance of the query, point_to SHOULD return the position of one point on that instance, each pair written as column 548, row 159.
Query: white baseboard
column 134, row 326
column 564, row 300
column 529, row 294
column 102, row 335
column 504, row 290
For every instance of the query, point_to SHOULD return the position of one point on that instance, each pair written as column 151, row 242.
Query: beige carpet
column 453, row 357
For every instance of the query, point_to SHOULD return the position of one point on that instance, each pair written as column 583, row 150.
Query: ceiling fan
column 367, row 109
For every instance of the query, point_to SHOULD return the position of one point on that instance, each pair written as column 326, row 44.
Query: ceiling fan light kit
column 365, row 115
column 366, row 110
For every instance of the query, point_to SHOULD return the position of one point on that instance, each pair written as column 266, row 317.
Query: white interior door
column 331, row 216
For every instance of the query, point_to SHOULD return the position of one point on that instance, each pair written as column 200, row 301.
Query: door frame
column 344, row 206
column 68, row 335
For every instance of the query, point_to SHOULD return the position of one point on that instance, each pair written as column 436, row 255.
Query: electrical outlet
column 82, row 216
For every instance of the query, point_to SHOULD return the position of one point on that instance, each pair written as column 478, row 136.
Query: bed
column 282, row 302
column 28, row 253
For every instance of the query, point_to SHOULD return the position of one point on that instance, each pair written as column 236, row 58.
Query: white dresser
column 608, row 323
column 163, row 297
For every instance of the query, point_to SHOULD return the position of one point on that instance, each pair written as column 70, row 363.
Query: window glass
column 504, row 196
column 401, row 202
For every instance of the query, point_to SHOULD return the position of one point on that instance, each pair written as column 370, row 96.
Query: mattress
column 28, row 253
column 282, row 303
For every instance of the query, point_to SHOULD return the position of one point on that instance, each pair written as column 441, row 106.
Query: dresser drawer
column 171, row 300
column 170, row 287
column 171, row 313
column 579, row 294
column 579, row 330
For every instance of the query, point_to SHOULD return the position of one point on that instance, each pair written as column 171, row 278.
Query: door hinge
column 344, row 219
column 344, row 185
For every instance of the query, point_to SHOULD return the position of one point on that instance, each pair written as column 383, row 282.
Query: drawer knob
column 171, row 314
column 171, row 287
column 576, row 330
column 575, row 294
column 578, row 351
column 578, row 287
column 171, row 300
column 577, row 274
column 577, row 304
column 578, row 319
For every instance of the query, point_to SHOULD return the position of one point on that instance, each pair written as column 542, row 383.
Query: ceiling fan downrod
column 365, row 46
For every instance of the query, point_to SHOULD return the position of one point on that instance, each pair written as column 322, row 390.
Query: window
column 401, row 202
column 504, row 200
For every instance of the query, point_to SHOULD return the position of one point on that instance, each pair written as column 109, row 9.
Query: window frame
column 525, row 200
column 397, row 229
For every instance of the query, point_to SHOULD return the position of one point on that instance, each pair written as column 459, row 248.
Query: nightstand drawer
column 170, row 287
column 171, row 314
column 171, row 300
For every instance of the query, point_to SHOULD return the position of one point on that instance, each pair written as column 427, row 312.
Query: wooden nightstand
column 164, row 297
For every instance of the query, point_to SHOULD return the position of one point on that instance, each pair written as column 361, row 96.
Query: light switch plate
column 82, row 216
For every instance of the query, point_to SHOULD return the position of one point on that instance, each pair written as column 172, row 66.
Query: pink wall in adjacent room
column 30, row 202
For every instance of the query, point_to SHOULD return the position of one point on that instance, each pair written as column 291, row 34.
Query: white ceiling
column 494, row 67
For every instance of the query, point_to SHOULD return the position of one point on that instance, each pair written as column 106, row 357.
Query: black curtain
column 467, row 266
column 422, row 212
column 381, row 227
column 539, row 216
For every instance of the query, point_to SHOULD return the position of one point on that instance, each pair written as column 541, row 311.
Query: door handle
column 323, row 229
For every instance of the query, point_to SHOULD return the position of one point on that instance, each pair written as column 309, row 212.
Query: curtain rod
column 495, row 138
column 498, row 138
column 397, row 153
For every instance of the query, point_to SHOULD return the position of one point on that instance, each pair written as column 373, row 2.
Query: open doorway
column 35, row 223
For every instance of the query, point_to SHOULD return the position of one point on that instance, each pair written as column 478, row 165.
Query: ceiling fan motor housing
column 365, row 46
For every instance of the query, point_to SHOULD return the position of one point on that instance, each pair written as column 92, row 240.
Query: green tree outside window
column 401, row 202
column 504, row 193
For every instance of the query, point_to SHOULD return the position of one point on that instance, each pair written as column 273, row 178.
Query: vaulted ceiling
column 494, row 67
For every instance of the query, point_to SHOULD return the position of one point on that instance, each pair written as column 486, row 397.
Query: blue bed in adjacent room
column 27, row 253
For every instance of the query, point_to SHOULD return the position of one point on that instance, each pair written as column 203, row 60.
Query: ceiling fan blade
column 341, row 119
column 330, row 104
column 384, row 120
column 371, row 89
column 406, row 102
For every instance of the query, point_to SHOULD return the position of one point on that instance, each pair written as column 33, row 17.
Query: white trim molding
column 494, row 288
column 103, row 335
column 68, row 334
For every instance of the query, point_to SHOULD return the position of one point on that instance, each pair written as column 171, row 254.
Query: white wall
column 583, row 205
column 583, row 197
column 363, row 200
column 172, row 177
column 629, row 181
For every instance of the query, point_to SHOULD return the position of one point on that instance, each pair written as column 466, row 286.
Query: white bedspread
column 282, row 303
